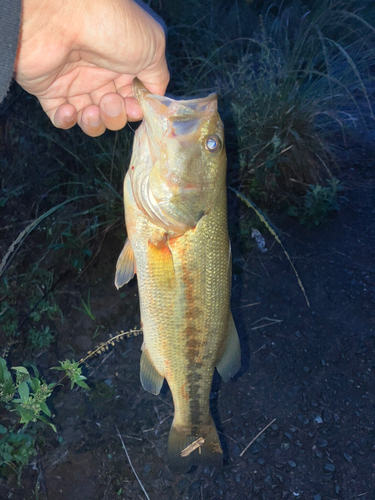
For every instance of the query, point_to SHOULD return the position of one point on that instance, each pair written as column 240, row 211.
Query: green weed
column 16, row 449
column 31, row 393
column 86, row 307
column 25, row 396
column 24, row 399
column 40, row 338
column 318, row 203
column 73, row 371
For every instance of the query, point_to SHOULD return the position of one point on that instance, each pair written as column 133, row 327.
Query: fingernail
column 94, row 121
column 69, row 117
column 112, row 108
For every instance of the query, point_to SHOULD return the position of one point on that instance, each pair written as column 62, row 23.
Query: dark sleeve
column 10, row 14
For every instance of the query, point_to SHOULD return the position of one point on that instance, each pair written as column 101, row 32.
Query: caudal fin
column 187, row 448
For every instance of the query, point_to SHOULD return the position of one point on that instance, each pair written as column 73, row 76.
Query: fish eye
column 213, row 143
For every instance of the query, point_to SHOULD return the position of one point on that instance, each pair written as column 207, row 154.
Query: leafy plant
column 318, row 202
column 32, row 394
column 26, row 396
column 16, row 449
column 40, row 338
column 73, row 371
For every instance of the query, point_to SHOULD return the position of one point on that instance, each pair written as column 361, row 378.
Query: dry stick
column 130, row 463
column 256, row 437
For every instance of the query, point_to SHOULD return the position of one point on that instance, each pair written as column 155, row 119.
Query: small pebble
column 291, row 463
column 317, row 497
column 322, row 443
column 348, row 457
column 318, row 419
column 329, row 468
column 255, row 448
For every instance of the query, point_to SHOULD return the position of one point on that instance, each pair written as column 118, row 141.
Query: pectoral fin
column 151, row 379
column 125, row 267
column 230, row 361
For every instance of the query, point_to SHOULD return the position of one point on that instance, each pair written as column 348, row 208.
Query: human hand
column 80, row 58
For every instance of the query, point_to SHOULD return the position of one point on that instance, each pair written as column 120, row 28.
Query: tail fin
column 187, row 448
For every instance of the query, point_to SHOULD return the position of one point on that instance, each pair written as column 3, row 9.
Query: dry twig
column 130, row 463
column 256, row 437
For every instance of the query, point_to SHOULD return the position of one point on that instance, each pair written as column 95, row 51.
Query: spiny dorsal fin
column 125, row 267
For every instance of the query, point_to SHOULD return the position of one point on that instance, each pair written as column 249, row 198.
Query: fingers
column 111, row 111
column 90, row 121
column 111, row 114
column 65, row 116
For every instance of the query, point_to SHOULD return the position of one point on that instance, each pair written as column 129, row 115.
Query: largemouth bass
column 178, row 244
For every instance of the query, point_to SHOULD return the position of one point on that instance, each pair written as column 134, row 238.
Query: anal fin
column 125, row 267
column 230, row 361
column 151, row 379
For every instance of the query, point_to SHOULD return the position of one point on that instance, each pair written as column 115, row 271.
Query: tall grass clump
column 294, row 80
column 66, row 186
column 302, row 78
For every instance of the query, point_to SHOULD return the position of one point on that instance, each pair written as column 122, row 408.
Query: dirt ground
column 309, row 370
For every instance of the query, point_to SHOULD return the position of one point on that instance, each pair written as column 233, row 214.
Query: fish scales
column 175, row 209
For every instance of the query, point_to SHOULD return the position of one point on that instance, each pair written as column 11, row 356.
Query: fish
column 178, row 245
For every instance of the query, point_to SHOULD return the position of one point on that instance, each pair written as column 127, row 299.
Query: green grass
column 293, row 80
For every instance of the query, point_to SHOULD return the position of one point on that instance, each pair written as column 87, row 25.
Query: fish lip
column 172, row 119
column 171, row 108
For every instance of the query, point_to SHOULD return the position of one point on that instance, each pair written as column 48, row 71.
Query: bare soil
column 310, row 370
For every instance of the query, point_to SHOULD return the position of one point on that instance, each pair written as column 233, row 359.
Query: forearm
column 10, row 13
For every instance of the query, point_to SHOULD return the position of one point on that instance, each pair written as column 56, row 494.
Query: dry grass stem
column 256, row 437
column 130, row 463
column 247, row 305
column 271, row 321
column 263, row 218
